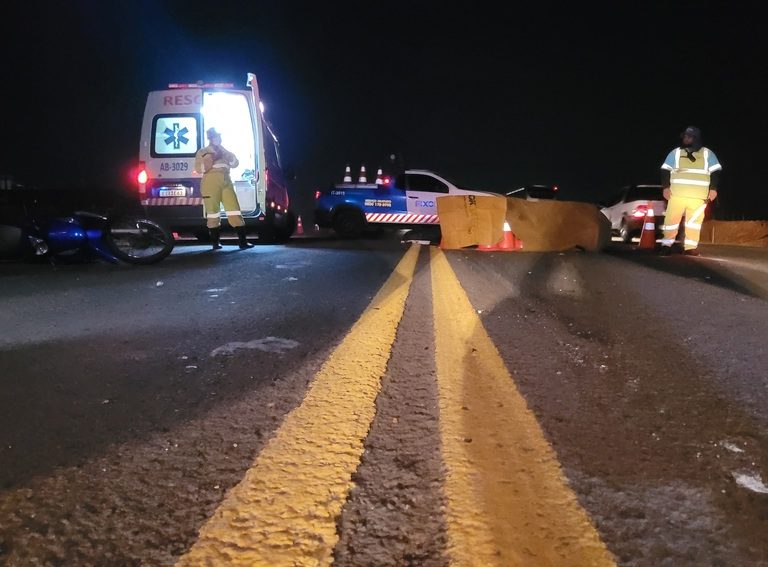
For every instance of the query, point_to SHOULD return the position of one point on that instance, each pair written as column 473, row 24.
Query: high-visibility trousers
column 216, row 188
column 693, row 208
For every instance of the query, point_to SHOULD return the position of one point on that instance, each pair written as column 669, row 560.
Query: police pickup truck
column 410, row 199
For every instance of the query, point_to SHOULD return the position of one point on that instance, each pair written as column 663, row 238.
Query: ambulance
column 173, row 129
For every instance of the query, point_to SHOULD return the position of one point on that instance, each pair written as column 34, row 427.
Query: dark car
column 628, row 208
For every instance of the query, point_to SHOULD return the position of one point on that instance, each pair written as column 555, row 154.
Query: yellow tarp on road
column 468, row 220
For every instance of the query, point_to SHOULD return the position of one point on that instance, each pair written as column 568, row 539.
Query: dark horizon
column 491, row 99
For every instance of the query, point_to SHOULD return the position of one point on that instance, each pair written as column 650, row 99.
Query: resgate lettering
column 182, row 100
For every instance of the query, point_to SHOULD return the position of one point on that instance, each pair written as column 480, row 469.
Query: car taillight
column 640, row 211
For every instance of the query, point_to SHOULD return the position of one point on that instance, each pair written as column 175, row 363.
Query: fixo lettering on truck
column 173, row 128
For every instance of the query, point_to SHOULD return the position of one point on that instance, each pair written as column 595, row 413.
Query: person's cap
column 691, row 131
column 212, row 133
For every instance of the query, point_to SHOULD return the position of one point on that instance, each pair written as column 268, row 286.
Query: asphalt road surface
column 383, row 403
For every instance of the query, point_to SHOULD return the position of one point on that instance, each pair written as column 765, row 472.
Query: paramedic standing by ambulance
column 689, row 178
column 216, row 187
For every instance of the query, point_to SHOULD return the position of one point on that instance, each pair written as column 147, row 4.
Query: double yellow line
column 508, row 502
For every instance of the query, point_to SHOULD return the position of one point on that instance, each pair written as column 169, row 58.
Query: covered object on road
column 542, row 226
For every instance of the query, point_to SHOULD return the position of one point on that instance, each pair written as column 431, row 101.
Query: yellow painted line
column 508, row 502
column 284, row 511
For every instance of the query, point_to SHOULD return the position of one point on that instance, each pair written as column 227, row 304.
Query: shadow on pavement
column 695, row 268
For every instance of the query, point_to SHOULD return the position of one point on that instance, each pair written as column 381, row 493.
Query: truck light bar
column 201, row 85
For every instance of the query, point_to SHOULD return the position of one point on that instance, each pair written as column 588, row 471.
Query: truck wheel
column 349, row 223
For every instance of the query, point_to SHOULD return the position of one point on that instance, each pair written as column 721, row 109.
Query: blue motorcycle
column 84, row 235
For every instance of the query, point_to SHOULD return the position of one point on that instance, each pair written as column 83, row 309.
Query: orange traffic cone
column 347, row 175
column 648, row 234
column 487, row 247
column 363, row 178
column 299, row 226
column 510, row 241
column 379, row 177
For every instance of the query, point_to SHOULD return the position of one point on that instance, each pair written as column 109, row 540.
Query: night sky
column 584, row 97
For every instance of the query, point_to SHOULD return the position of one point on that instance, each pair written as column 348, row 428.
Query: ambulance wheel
column 283, row 232
column 202, row 236
column 266, row 233
column 349, row 223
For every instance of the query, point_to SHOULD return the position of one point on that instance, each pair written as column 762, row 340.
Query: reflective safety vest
column 691, row 178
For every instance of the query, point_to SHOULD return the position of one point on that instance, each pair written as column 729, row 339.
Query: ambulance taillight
column 142, row 177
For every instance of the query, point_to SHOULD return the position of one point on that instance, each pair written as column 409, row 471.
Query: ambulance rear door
column 232, row 113
column 171, row 134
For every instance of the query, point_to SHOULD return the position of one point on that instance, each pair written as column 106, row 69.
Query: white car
column 627, row 210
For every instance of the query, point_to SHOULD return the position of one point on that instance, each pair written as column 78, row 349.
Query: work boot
column 665, row 251
column 242, row 237
column 692, row 252
column 215, row 237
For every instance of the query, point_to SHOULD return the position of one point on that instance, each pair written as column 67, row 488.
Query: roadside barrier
column 648, row 234
column 299, row 226
column 753, row 233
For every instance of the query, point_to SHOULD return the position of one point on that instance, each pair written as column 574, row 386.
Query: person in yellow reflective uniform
column 216, row 187
column 689, row 178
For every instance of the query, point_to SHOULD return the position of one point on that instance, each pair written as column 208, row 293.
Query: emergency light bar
column 201, row 85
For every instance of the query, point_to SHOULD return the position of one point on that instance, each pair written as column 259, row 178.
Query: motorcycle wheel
column 138, row 241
